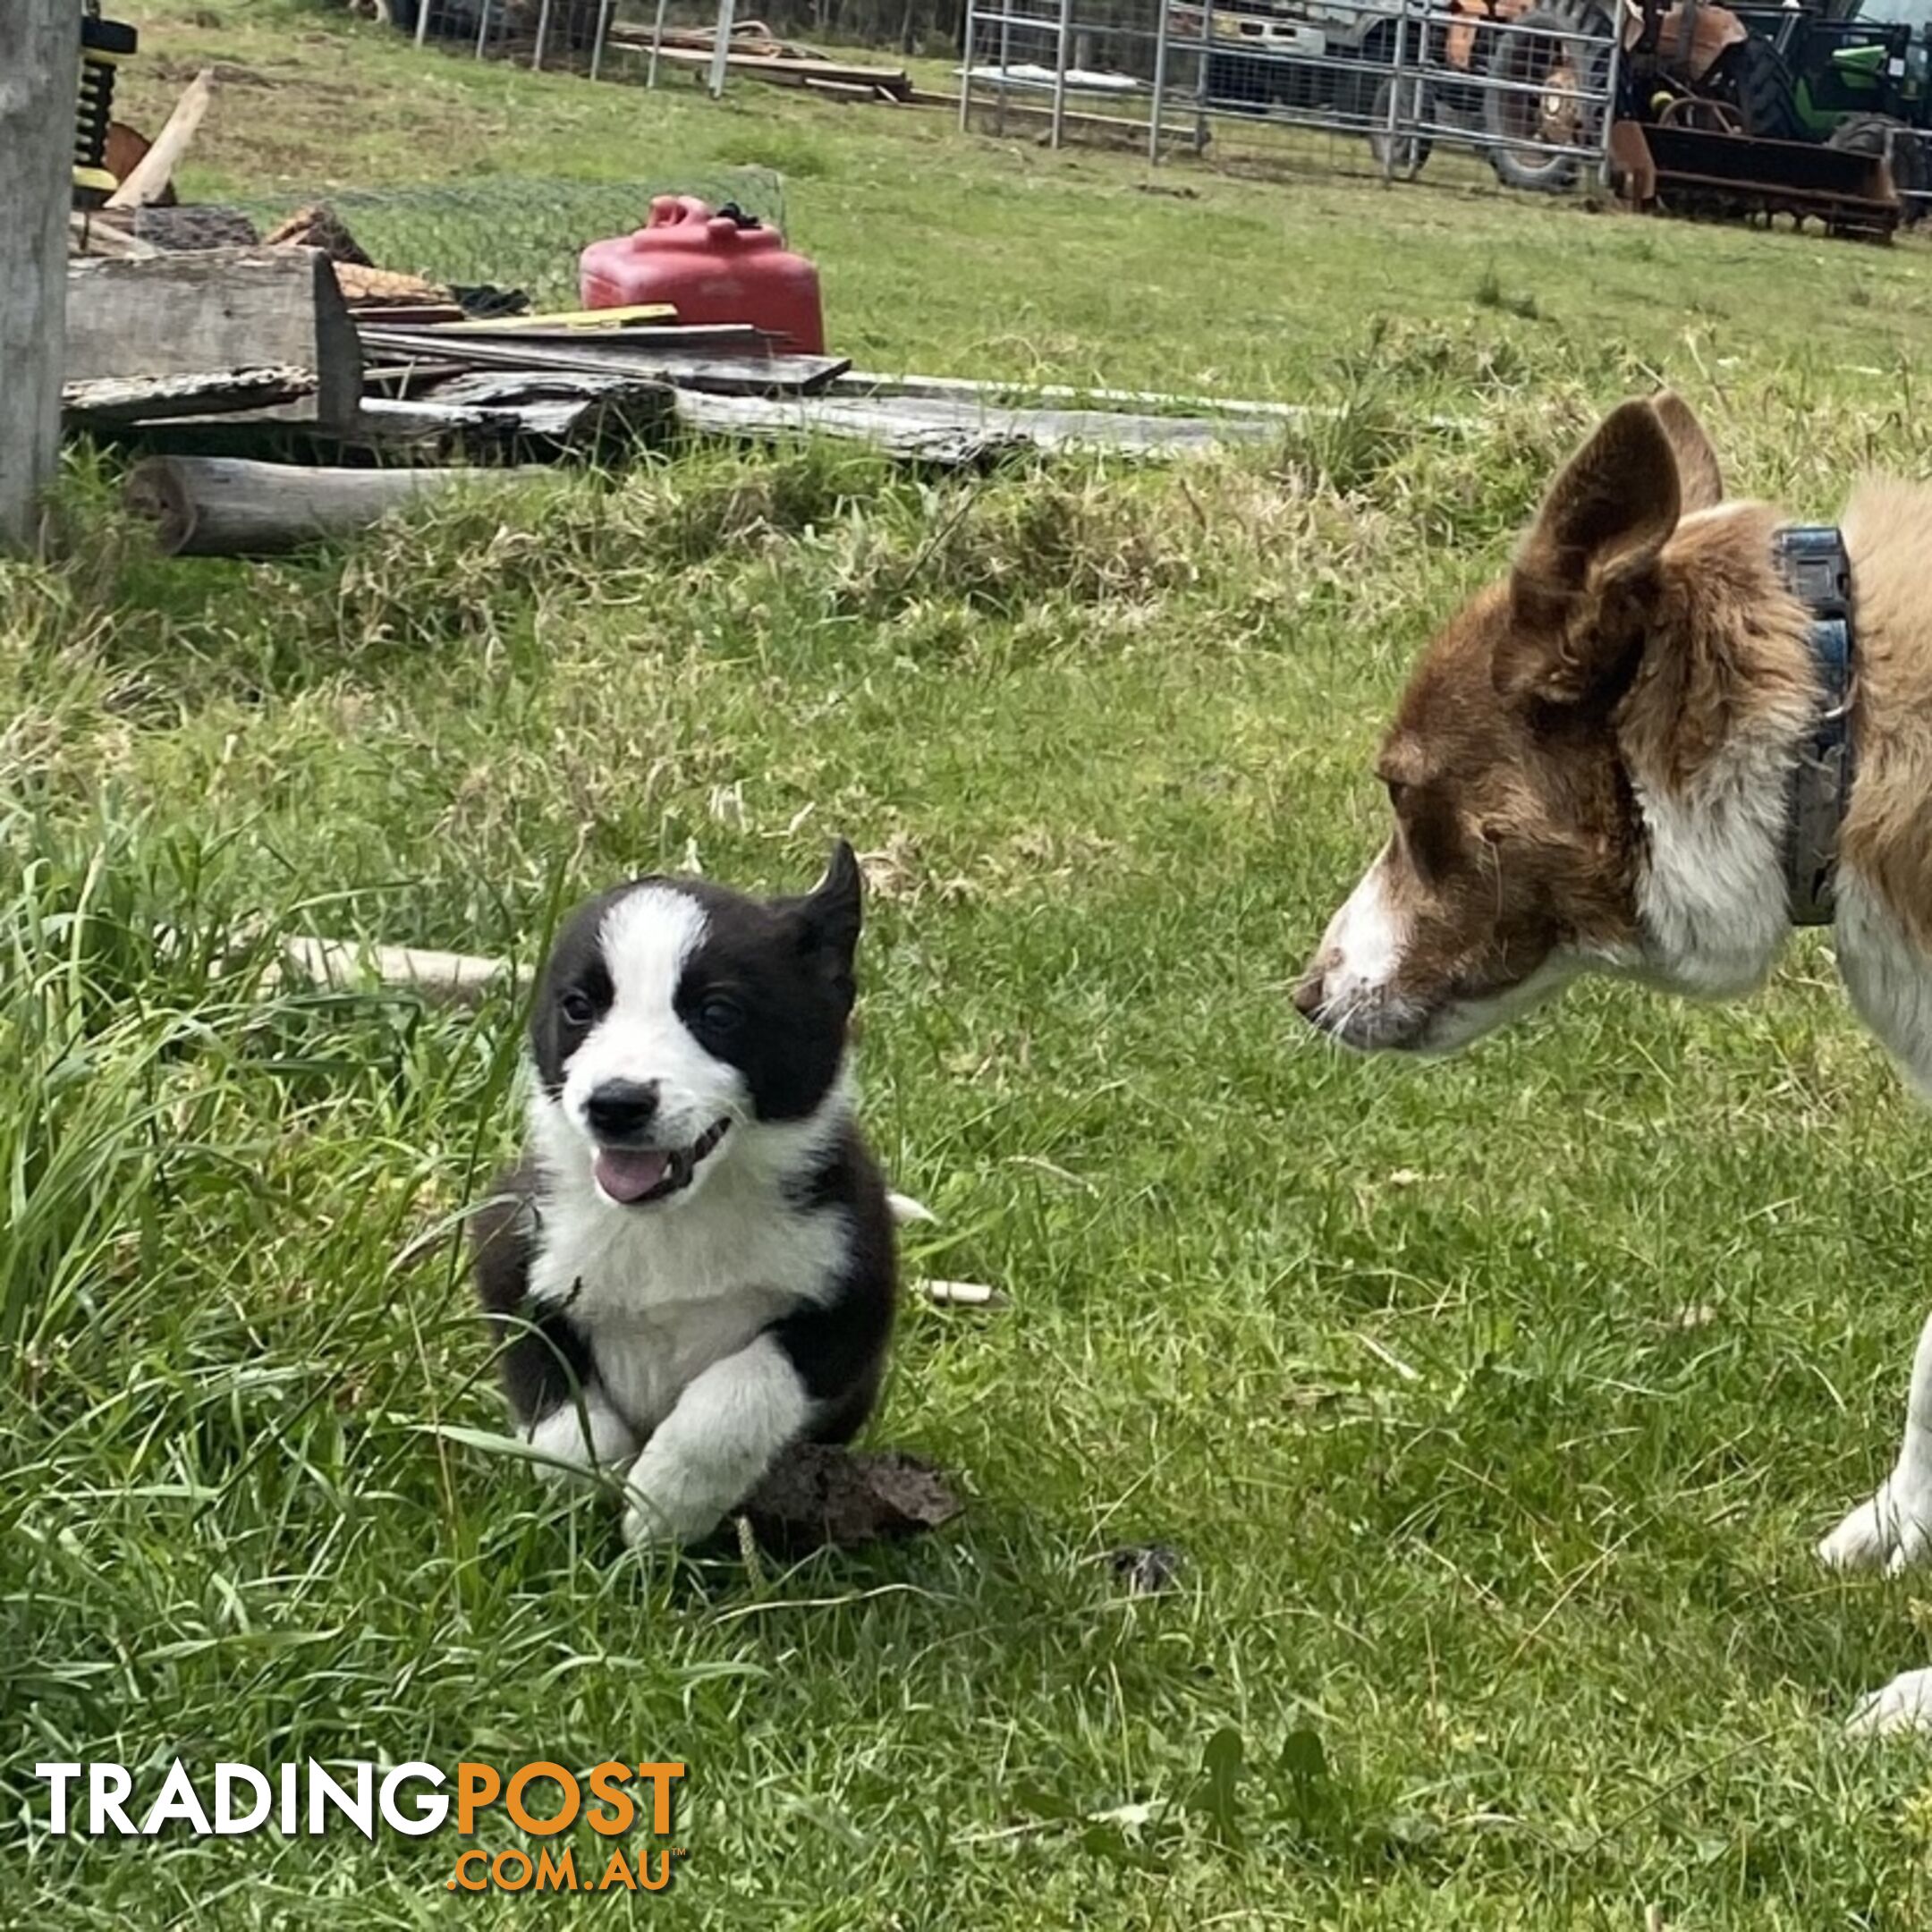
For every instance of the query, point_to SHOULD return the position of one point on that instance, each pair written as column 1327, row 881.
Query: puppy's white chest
column 662, row 1297
column 646, row 1362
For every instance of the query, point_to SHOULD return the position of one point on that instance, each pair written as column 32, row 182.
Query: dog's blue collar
column 1817, row 569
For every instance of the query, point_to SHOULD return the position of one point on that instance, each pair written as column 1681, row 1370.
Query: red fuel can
column 712, row 267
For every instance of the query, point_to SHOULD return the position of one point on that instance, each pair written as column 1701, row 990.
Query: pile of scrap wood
column 754, row 51
column 206, row 357
column 279, row 388
column 208, row 363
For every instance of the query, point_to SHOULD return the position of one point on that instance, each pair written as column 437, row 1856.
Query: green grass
column 1494, row 1406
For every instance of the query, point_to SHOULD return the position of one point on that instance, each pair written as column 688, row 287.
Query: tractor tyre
column 1753, row 78
column 1896, row 142
column 1556, row 117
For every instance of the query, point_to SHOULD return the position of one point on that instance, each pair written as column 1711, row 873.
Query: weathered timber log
column 227, row 506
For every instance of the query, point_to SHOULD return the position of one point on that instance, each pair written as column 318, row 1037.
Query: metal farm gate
column 1526, row 84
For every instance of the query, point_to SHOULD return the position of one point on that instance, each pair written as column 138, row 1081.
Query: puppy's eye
column 578, row 1008
column 1397, row 791
column 719, row 1014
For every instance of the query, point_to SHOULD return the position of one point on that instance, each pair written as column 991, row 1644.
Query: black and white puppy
column 692, row 1267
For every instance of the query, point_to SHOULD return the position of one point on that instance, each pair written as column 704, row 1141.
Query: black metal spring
column 103, row 43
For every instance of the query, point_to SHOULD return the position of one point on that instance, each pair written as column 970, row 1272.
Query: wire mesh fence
column 515, row 233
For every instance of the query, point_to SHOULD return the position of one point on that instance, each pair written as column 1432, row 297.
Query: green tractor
column 1855, row 74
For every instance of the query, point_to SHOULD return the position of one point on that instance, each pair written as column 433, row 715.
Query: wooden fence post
column 39, row 73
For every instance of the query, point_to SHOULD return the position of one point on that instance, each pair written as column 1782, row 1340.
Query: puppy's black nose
column 622, row 1109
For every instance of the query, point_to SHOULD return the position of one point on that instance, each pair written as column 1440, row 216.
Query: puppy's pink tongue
column 628, row 1175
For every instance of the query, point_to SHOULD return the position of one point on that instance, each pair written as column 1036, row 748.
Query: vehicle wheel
column 1896, row 142
column 1753, row 78
column 1402, row 155
column 1557, row 116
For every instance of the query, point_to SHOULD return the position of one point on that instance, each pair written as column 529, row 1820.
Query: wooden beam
column 214, row 312
column 155, row 172
column 458, row 978
column 39, row 62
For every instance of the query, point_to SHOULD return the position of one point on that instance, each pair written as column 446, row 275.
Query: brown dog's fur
column 1593, row 766
column 1643, row 643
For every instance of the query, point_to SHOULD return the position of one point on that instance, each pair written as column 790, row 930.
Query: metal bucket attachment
column 1683, row 170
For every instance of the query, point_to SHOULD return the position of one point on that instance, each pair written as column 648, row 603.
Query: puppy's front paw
column 579, row 1439
column 1903, row 1707
column 667, row 1504
column 1893, row 1528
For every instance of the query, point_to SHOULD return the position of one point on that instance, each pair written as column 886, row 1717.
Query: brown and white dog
column 1595, row 767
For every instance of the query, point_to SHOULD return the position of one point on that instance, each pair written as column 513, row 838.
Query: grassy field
column 1494, row 1407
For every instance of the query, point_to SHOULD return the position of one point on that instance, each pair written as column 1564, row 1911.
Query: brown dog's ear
column 1699, row 479
column 1585, row 576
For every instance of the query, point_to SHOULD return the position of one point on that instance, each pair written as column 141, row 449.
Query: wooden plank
column 40, row 52
column 864, row 384
column 753, row 38
column 775, row 375
column 868, row 93
column 461, row 979
column 932, row 430
column 155, row 171
column 793, row 72
column 710, row 338
column 118, row 400
column 402, row 315
column 213, row 313
column 759, row 418
column 226, row 506
column 570, row 321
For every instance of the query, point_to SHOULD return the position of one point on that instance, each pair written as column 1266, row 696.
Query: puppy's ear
column 1586, row 578
column 829, row 915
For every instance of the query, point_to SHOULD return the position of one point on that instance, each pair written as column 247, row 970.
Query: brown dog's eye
column 1397, row 791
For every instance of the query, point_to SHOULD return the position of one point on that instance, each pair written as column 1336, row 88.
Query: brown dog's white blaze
column 1543, row 736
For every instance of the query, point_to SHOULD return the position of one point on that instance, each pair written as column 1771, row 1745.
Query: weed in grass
column 1490, row 293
